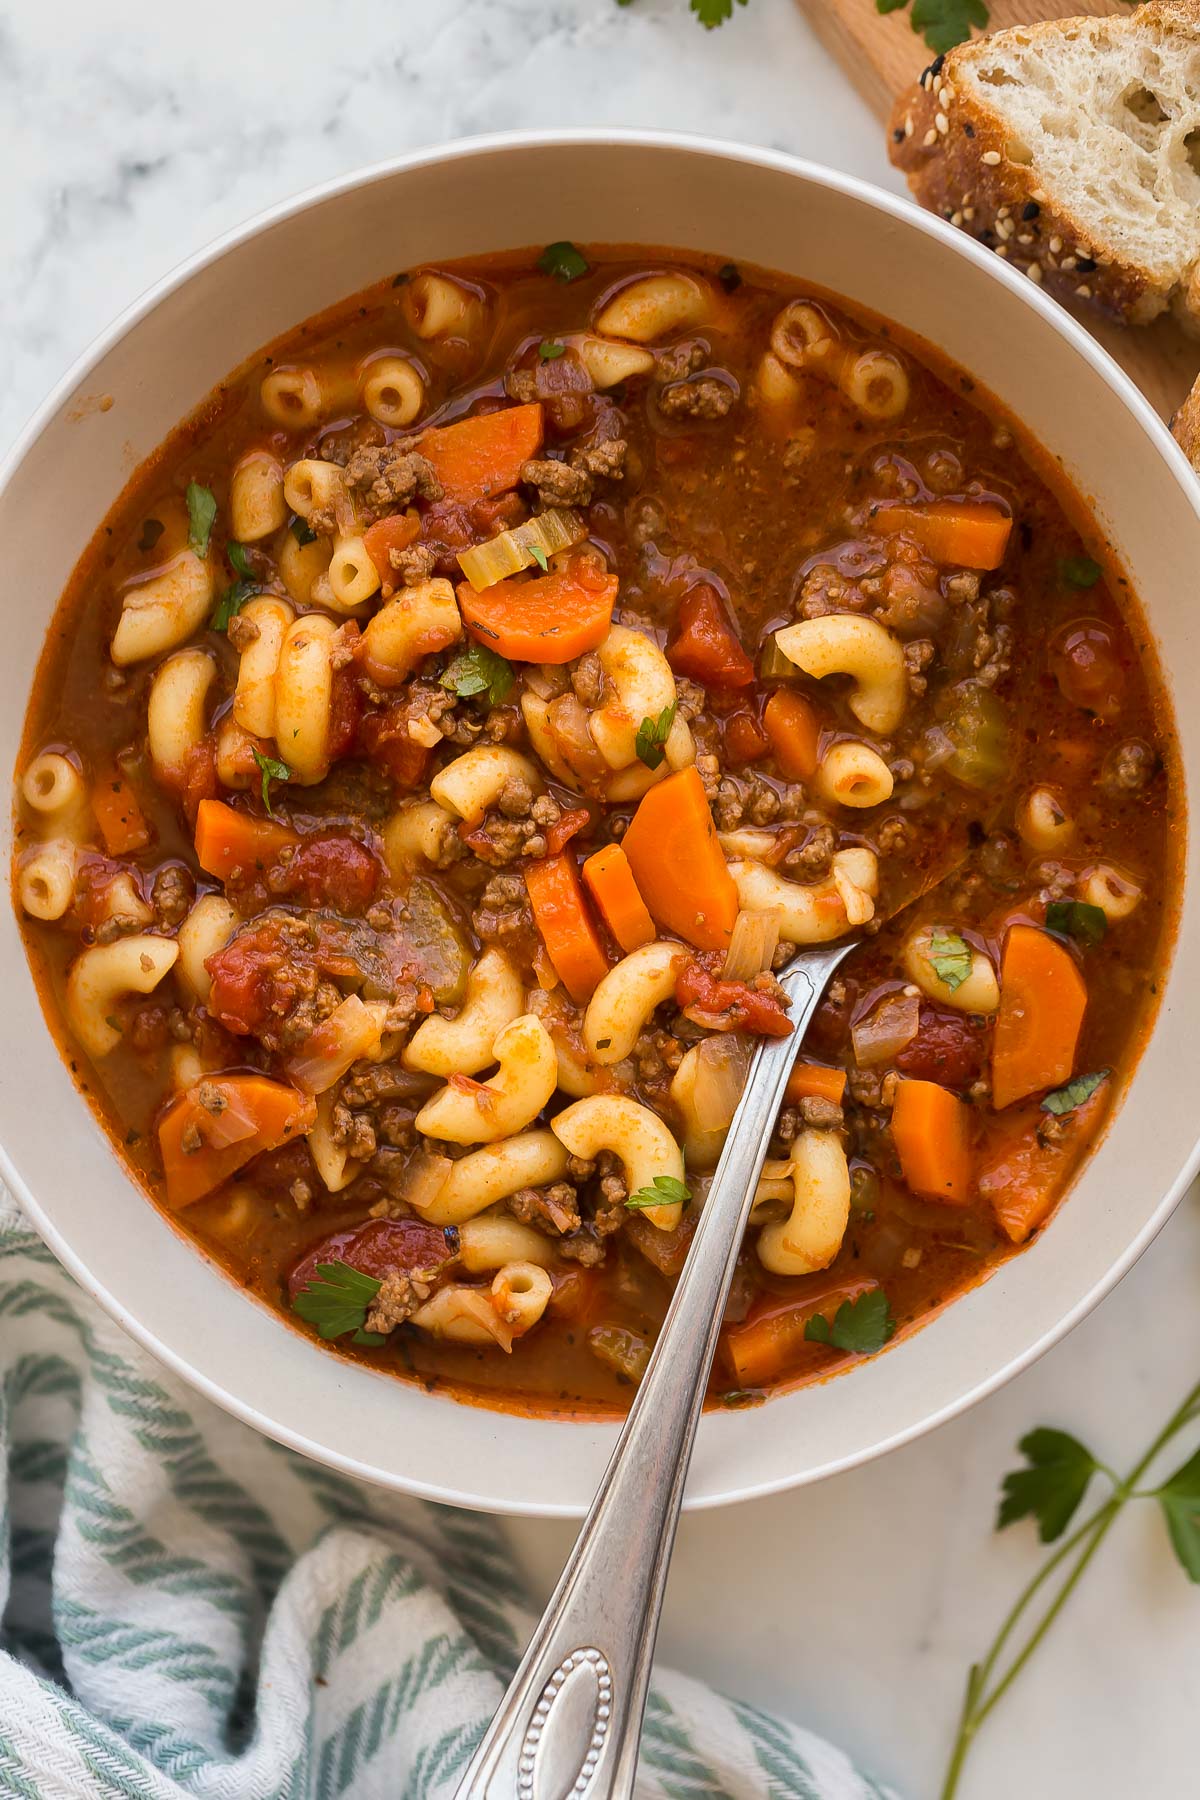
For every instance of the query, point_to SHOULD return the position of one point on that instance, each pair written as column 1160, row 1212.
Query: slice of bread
column 1072, row 148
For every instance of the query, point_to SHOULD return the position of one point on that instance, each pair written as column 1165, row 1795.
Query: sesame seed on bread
column 1072, row 149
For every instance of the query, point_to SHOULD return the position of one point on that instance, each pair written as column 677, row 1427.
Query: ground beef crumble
column 386, row 478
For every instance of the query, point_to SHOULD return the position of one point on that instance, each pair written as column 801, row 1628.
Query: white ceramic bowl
column 163, row 357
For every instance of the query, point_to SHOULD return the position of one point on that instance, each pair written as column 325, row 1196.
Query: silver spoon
column 569, row 1726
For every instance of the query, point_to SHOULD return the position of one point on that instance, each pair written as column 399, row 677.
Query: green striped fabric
column 187, row 1609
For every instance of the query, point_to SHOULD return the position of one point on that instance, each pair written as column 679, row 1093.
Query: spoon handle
column 570, row 1723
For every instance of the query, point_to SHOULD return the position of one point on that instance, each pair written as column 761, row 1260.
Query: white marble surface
column 129, row 135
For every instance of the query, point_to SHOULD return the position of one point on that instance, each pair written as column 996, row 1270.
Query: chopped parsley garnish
column 1080, row 571
column 860, row 1326
column 714, row 12
column 942, row 23
column 665, row 1190
column 949, row 956
column 479, row 671
column 1077, row 919
column 302, row 531
column 540, row 558
column 549, row 351
column 1066, row 1099
column 152, row 530
column 202, row 514
column 337, row 1300
column 1050, row 1489
column 563, row 261
column 652, row 736
column 238, row 592
column 271, row 770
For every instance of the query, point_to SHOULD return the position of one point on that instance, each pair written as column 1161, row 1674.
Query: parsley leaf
column 338, row 1300
column 942, row 23
column 239, row 591
column 563, row 260
column 479, row 671
column 949, row 956
column 202, row 514
column 860, row 1326
column 271, row 770
column 665, row 1191
column 152, row 530
column 302, row 531
column 1080, row 571
column 652, row 735
column 1050, row 1489
column 1179, row 1497
column 1077, row 919
column 540, row 558
column 1066, row 1099
column 549, row 351
column 713, row 12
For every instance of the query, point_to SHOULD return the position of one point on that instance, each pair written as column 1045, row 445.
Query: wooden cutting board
column 883, row 55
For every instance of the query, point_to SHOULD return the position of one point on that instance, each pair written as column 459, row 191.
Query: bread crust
column 1185, row 426
column 961, row 161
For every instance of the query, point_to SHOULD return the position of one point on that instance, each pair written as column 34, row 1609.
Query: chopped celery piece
column 977, row 725
column 552, row 531
column 627, row 1353
column 773, row 665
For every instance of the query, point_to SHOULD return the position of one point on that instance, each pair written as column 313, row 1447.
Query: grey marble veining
column 129, row 136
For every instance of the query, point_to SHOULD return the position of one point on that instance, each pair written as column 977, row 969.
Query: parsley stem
column 977, row 1703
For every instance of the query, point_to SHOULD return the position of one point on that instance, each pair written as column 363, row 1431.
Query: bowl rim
column 465, row 149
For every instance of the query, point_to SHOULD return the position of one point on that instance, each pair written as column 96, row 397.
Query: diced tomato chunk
column 382, row 1247
column 745, row 740
column 384, row 738
column 949, row 1048
column 730, row 1005
column 332, row 869
column 704, row 644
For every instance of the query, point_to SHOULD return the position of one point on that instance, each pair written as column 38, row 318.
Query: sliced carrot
column 678, row 863
column 482, row 456
column 771, row 1341
column 973, row 534
column 1021, row 1176
column 121, row 820
column 794, row 731
column 813, row 1081
column 552, row 619
column 227, row 840
column 1043, row 998
column 396, row 532
column 931, row 1128
column 610, row 882
column 568, row 930
column 202, row 1146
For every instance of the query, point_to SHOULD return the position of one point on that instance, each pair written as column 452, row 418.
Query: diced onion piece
column 231, row 1125
column 351, row 1031
column 721, row 1066
column 510, row 552
column 886, row 1029
column 752, row 943
column 424, row 1179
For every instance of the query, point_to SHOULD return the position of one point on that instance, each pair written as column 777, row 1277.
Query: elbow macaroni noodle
column 849, row 644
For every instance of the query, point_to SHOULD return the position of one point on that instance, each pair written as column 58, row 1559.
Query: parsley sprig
column 861, row 1326
column 942, row 23
column 337, row 1300
column 479, row 671
column 652, row 735
column 710, row 13
column 1050, row 1489
column 665, row 1190
column 239, row 591
column 202, row 515
column 271, row 769
column 563, row 261
column 1074, row 1093
column 1077, row 919
column 949, row 956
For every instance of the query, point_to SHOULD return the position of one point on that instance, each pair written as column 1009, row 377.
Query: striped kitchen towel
column 186, row 1609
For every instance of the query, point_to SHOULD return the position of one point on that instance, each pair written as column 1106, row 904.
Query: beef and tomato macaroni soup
column 455, row 727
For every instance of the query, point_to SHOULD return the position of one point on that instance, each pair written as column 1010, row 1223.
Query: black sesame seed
column 1085, row 264
column 1030, row 210
column 969, row 129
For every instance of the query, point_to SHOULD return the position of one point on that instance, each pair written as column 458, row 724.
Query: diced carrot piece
column 931, row 1128
column 678, row 863
column 118, row 813
column 1043, row 998
column 813, row 1081
column 568, row 931
column 973, row 534
column 704, row 644
column 1022, row 1177
column 482, row 456
column 396, row 532
column 201, row 1148
column 227, row 840
column 794, row 732
column 610, row 882
column 552, row 619
column 771, row 1341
